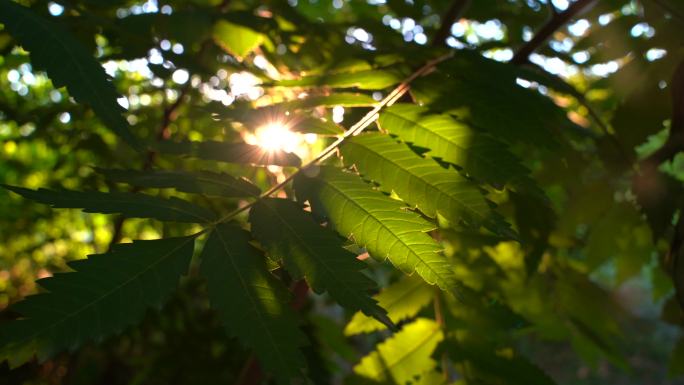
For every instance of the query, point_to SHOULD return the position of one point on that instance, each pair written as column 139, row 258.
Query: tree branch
column 452, row 14
column 557, row 21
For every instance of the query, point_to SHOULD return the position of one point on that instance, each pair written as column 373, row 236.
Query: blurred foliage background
column 587, row 296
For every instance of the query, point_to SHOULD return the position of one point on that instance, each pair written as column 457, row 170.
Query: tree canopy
column 342, row 192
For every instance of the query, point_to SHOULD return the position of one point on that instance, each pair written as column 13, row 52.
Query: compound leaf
column 382, row 225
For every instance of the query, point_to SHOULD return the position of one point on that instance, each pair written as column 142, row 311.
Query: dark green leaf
column 129, row 204
column 200, row 182
column 105, row 294
column 229, row 152
column 252, row 302
column 309, row 250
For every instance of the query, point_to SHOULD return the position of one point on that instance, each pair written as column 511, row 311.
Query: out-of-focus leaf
column 365, row 80
column 132, row 205
column 489, row 366
column 229, row 152
column 676, row 365
column 200, row 182
column 309, row 250
column 105, row 294
column 236, row 39
column 312, row 125
column 403, row 299
column 403, row 356
column 68, row 64
column 252, row 303
column 622, row 235
column 422, row 182
column 382, row 225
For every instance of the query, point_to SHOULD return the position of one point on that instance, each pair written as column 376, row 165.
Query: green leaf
column 67, row 63
column 343, row 99
column 479, row 155
column 488, row 366
column 421, row 182
column 291, row 234
column 484, row 93
column 105, row 294
column 132, row 205
column 382, row 225
column 365, row 80
column 235, row 39
column 253, row 303
column 676, row 364
column 306, row 124
column 402, row 300
column 403, row 356
column 229, row 152
column 199, row 182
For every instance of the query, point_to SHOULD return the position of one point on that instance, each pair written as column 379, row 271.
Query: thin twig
column 557, row 21
column 452, row 14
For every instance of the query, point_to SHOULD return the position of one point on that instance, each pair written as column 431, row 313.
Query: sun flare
column 276, row 137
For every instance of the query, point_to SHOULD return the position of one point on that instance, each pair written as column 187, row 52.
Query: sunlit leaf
column 382, row 225
column 403, row 299
column 403, row 356
column 236, row 39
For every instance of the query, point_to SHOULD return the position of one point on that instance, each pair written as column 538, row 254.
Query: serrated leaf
column 309, row 250
column 134, row 205
column 68, row 64
column 199, row 182
column 252, row 303
column 105, row 294
column 403, row 356
column 235, row 39
column 229, row 152
column 480, row 155
column 365, row 80
column 382, row 225
column 421, row 182
column 402, row 300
